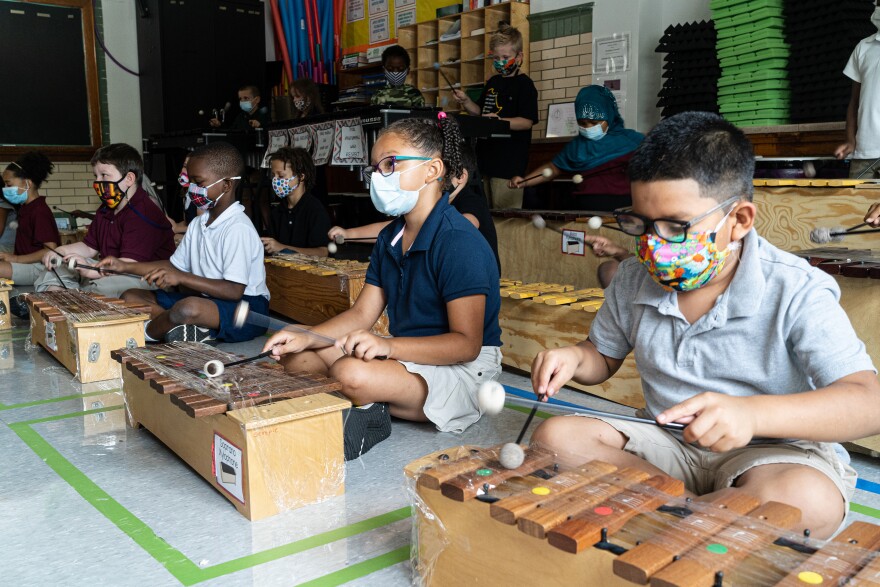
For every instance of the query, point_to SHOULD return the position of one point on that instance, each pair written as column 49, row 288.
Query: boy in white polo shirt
column 744, row 344
column 863, row 113
column 218, row 263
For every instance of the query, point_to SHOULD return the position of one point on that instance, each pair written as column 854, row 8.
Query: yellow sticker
column 811, row 578
column 541, row 490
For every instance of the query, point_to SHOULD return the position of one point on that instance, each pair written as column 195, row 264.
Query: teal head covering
column 581, row 154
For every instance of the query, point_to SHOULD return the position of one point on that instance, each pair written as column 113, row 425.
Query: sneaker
column 18, row 306
column 365, row 427
column 189, row 333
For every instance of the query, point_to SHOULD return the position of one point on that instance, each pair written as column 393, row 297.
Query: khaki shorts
column 704, row 471
column 112, row 285
column 452, row 389
column 27, row 273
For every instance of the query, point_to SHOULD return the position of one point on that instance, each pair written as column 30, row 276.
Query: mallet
column 836, row 234
column 216, row 368
column 73, row 266
column 243, row 315
column 76, row 213
column 437, row 68
column 333, row 246
column 491, row 398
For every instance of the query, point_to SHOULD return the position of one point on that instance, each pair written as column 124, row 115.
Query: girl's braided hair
column 431, row 137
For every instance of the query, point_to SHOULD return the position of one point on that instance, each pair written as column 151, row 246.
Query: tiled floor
column 86, row 501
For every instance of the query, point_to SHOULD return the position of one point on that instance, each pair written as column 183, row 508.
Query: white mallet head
column 511, row 456
column 332, row 248
column 595, row 222
column 538, row 221
column 214, row 368
column 241, row 313
column 71, row 264
column 55, row 261
column 823, row 235
column 339, row 239
column 577, row 178
column 546, row 172
column 13, row 224
column 437, row 65
column 490, row 396
column 809, row 169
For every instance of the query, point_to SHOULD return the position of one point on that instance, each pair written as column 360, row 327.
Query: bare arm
column 518, row 182
column 582, row 362
column 32, row 257
column 367, row 231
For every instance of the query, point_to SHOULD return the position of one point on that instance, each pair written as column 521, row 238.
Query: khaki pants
column 500, row 196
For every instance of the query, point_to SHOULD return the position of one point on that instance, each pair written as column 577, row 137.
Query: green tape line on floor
column 53, row 400
column 183, row 569
column 864, row 510
column 361, row 569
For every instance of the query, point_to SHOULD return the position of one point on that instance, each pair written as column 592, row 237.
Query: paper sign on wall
column 380, row 29
column 404, row 18
column 378, row 7
column 354, row 10
column 323, row 133
column 349, row 143
column 561, row 120
column 277, row 139
column 611, row 54
column 301, row 137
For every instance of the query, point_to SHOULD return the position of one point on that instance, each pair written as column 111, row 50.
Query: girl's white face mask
column 387, row 195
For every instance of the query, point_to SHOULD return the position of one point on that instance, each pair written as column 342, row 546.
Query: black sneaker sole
column 364, row 429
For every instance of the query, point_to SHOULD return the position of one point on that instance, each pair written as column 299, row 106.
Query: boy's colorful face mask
column 687, row 265
column 282, row 186
column 199, row 194
column 110, row 192
column 506, row 66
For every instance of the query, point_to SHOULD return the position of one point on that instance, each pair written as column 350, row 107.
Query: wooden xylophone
column 269, row 441
column 311, row 290
column 81, row 329
column 842, row 261
column 598, row 525
column 539, row 316
column 5, row 314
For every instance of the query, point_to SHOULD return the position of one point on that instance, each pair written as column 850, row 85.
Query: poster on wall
column 403, row 4
column 379, row 29
column 354, row 10
column 611, row 54
column 378, row 7
column 349, row 144
column 404, row 18
column 561, row 120
column 301, row 137
column 323, row 133
column 277, row 139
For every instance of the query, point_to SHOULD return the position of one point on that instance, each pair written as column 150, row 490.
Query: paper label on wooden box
column 228, row 470
column 51, row 341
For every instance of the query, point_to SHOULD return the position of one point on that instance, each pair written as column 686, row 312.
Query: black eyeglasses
column 385, row 166
column 673, row 231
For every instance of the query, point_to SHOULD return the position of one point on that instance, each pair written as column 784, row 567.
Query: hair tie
column 441, row 115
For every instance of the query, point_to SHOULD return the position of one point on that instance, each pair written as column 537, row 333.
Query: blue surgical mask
column 593, row 133
column 246, row 105
column 387, row 195
column 396, row 78
column 13, row 196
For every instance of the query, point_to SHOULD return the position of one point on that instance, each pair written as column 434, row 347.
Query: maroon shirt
column 140, row 231
column 607, row 179
column 36, row 225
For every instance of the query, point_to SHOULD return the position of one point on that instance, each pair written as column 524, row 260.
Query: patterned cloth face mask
column 506, row 67
column 183, row 179
column 282, row 186
column 687, row 265
column 396, row 78
column 109, row 192
column 199, row 195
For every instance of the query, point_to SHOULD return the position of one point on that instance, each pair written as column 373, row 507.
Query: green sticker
column 717, row 549
column 484, row 472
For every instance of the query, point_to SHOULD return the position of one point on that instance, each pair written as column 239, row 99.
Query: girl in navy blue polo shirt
column 439, row 280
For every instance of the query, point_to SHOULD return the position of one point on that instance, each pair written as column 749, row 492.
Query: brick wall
column 70, row 187
column 559, row 67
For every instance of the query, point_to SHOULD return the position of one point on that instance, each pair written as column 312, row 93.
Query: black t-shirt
column 472, row 200
column 508, row 97
column 304, row 226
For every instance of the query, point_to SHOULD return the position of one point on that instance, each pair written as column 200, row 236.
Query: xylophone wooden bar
column 640, row 563
column 731, row 545
column 467, row 485
column 834, row 565
column 585, row 529
column 869, row 576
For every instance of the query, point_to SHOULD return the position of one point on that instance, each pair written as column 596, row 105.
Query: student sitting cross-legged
column 218, row 263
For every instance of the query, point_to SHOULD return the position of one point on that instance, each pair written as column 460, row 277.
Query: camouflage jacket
column 405, row 95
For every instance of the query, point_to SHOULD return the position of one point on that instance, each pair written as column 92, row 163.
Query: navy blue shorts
column 226, row 308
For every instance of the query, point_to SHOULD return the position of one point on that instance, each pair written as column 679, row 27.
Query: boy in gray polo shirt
column 743, row 343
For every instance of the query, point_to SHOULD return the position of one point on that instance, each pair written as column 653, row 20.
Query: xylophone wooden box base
column 5, row 314
column 312, row 290
column 290, row 450
column 84, row 347
column 611, row 536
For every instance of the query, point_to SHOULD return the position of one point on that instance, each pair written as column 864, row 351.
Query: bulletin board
column 50, row 98
column 367, row 23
